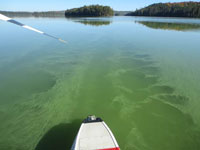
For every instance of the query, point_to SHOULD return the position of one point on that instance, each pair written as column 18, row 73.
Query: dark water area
column 139, row 74
column 60, row 136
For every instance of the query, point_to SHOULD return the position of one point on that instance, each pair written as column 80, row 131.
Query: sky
column 46, row 5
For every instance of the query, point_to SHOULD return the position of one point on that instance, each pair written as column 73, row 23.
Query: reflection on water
column 92, row 22
column 170, row 26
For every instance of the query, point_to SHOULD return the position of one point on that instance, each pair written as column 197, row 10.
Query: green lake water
column 140, row 75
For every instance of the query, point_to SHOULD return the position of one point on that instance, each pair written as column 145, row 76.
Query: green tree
column 184, row 9
column 90, row 11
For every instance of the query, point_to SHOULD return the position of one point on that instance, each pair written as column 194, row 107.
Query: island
column 90, row 11
column 181, row 9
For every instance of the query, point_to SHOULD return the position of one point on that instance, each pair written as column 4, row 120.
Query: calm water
column 141, row 75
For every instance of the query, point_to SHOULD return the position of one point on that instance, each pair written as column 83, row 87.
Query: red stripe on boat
column 116, row 148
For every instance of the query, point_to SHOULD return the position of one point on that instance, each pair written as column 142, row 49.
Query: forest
column 90, row 11
column 33, row 14
column 183, row 9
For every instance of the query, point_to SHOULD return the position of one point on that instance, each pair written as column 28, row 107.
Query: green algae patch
column 162, row 89
column 21, row 84
column 156, row 117
column 175, row 99
column 144, row 87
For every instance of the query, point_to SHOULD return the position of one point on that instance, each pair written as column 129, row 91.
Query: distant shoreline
column 33, row 14
column 179, row 9
column 48, row 13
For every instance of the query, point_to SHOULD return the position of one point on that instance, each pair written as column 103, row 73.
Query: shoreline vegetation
column 90, row 11
column 33, row 14
column 179, row 9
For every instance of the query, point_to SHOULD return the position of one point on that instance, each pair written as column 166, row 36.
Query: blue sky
column 44, row 5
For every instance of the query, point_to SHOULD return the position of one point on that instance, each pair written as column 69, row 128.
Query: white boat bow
column 94, row 134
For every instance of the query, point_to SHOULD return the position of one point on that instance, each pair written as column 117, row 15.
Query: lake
column 141, row 75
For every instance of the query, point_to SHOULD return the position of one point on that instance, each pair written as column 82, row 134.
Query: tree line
column 183, row 9
column 90, row 11
column 34, row 14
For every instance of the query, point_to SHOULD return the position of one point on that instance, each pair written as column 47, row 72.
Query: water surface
column 139, row 74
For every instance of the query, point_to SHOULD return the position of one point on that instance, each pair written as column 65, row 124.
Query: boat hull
column 95, row 135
